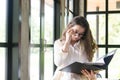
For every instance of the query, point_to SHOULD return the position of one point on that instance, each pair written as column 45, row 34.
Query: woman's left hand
column 90, row 75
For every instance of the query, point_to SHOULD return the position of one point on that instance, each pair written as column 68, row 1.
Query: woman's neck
column 73, row 42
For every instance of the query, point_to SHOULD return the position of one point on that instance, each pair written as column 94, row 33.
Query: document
column 101, row 64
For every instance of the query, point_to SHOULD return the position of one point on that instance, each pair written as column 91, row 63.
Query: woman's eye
column 81, row 34
column 76, row 32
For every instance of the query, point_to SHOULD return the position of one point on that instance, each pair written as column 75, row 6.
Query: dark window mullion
column 67, row 19
column 38, row 45
column 110, row 46
column 56, row 22
column 41, row 63
column 106, row 41
column 85, row 8
column 76, row 7
column 9, row 38
column 3, row 44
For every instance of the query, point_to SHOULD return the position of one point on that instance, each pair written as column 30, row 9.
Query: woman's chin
column 75, row 40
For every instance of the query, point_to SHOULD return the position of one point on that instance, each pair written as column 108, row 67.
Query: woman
column 76, row 44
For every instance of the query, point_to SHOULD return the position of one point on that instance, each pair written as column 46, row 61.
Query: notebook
column 101, row 64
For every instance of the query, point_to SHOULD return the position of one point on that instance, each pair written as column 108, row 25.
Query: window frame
column 106, row 12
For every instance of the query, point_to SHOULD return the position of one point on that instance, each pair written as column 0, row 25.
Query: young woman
column 76, row 44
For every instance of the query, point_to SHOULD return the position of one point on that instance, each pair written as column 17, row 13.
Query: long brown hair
column 87, row 40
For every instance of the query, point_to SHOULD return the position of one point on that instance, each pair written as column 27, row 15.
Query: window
column 3, row 39
column 35, row 39
column 34, row 63
column 93, row 5
column 103, row 16
column 2, row 61
column 3, row 21
column 68, row 11
column 114, row 29
column 41, row 40
column 48, row 40
column 97, row 25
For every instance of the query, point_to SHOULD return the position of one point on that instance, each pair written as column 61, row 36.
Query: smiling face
column 78, row 32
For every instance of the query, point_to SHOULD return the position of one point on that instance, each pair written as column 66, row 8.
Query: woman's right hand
column 69, row 35
column 68, row 40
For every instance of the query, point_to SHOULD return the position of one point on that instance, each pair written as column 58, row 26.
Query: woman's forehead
column 78, row 28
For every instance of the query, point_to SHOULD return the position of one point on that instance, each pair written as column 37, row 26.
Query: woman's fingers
column 90, row 75
column 87, row 71
column 84, row 72
column 68, row 35
column 70, row 31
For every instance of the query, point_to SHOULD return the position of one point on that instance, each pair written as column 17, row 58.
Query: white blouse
column 75, row 53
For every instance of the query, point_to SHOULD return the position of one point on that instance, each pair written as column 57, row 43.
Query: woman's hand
column 69, row 35
column 90, row 75
column 68, row 40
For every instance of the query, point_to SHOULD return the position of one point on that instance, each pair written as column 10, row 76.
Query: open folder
column 101, row 64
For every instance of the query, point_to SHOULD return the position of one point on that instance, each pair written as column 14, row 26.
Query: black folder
column 76, row 67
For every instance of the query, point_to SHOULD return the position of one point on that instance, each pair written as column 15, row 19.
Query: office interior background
column 28, row 29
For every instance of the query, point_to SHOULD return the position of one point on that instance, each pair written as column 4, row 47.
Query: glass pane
column 100, row 53
column 3, row 20
column 35, row 22
column 34, row 63
column 97, row 25
column 70, row 16
column 2, row 62
column 66, row 17
column 114, row 29
column 114, row 4
column 95, row 5
column 71, row 5
column 66, row 4
column 49, row 21
column 114, row 66
column 48, row 69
